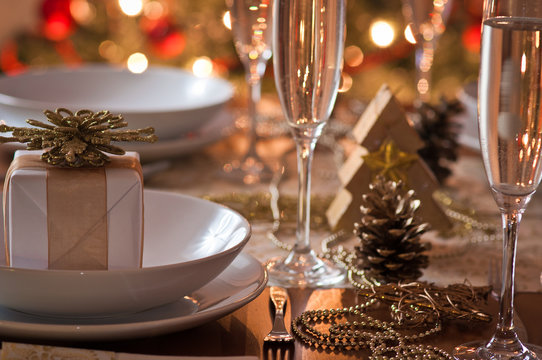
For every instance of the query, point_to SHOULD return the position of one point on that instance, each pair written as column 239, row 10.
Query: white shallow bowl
column 468, row 96
column 172, row 100
column 188, row 242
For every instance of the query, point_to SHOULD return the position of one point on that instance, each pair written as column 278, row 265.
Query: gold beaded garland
column 381, row 338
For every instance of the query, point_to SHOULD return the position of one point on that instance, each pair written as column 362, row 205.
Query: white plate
column 172, row 100
column 188, row 242
column 239, row 284
column 217, row 128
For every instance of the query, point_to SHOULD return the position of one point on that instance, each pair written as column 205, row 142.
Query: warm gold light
column 137, row 63
column 423, row 86
column 202, row 67
column 226, row 19
column 82, row 11
column 382, row 33
column 409, row 35
column 346, row 82
column 353, row 56
column 131, row 7
column 110, row 51
column 154, row 10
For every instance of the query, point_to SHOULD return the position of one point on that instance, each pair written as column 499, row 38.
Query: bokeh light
column 82, row 11
column 226, row 19
column 202, row 67
column 137, row 63
column 382, row 33
column 131, row 7
column 154, row 10
column 346, row 82
column 353, row 56
column 409, row 35
column 109, row 50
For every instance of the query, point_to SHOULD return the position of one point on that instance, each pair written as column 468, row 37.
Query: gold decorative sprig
column 76, row 140
column 418, row 302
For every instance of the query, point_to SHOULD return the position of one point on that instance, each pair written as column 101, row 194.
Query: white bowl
column 188, row 242
column 171, row 100
column 468, row 96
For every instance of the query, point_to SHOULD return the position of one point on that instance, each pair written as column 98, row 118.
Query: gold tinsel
column 76, row 140
column 422, row 302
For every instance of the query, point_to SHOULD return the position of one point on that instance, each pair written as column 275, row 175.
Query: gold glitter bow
column 390, row 162
column 78, row 139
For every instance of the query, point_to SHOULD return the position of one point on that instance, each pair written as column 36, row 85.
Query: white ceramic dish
column 188, row 242
column 468, row 96
column 215, row 129
column 172, row 100
column 240, row 283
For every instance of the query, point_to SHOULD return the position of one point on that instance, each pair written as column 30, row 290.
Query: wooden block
column 384, row 116
column 424, row 183
column 341, row 213
column 352, row 164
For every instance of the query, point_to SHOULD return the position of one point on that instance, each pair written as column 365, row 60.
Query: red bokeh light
column 471, row 38
column 58, row 23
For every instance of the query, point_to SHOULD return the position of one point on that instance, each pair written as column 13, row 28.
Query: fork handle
column 278, row 297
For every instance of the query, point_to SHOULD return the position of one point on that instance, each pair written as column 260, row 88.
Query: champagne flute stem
column 305, row 150
column 505, row 339
column 510, row 220
column 254, row 82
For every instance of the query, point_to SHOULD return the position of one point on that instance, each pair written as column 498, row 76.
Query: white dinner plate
column 172, row 100
column 217, row 128
column 239, row 284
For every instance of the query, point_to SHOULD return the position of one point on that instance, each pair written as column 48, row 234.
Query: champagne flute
column 252, row 32
column 510, row 92
column 427, row 21
column 308, row 43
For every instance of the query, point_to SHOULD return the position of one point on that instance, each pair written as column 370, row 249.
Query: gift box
column 73, row 218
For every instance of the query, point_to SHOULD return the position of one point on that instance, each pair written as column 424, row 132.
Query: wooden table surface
column 242, row 332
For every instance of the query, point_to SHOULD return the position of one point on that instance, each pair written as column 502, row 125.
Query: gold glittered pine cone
column 76, row 140
column 390, row 248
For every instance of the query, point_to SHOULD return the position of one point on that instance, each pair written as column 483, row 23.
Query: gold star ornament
column 390, row 162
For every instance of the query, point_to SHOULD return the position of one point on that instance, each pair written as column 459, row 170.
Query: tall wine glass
column 308, row 43
column 510, row 94
column 252, row 32
column 427, row 20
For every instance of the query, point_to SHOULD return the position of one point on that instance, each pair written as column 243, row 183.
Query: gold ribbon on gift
column 76, row 212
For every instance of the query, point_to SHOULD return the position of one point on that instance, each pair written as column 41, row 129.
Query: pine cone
column 440, row 133
column 389, row 233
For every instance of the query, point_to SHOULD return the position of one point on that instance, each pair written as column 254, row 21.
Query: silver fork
column 278, row 333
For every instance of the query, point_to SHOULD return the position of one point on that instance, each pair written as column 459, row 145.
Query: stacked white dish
column 186, row 111
column 192, row 272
